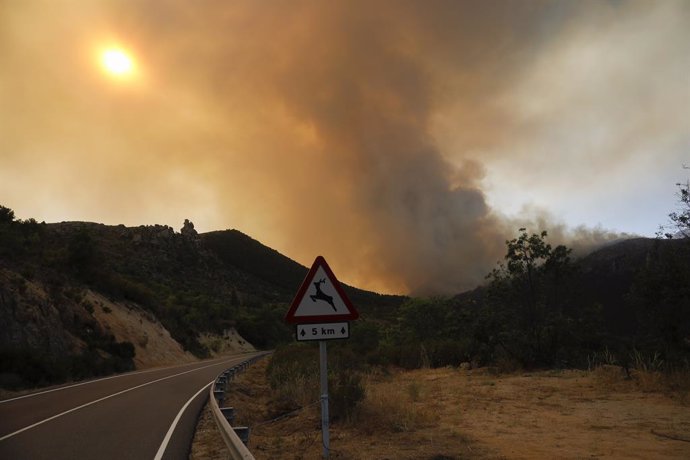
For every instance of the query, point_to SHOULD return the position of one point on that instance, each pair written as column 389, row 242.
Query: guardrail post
column 219, row 395
column 228, row 413
column 243, row 433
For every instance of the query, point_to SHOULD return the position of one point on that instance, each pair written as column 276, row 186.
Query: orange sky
column 402, row 140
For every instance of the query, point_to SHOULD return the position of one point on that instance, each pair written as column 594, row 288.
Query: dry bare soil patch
column 452, row 414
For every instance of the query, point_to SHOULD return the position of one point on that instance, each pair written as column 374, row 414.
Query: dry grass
column 208, row 443
column 649, row 382
column 299, row 392
column 454, row 414
column 609, row 376
column 393, row 422
column 674, row 384
column 391, row 407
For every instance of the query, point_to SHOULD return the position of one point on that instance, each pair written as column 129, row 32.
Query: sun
column 117, row 62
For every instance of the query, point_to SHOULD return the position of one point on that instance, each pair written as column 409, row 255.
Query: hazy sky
column 402, row 140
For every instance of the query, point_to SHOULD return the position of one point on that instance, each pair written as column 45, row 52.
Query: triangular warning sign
column 320, row 298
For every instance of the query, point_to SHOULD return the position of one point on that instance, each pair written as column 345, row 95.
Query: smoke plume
column 367, row 132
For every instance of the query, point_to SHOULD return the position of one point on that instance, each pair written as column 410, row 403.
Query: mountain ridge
column 203, row 286
column 197, row 285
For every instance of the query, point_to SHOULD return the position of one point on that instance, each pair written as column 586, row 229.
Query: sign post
column 323, row 359
column 321, row 310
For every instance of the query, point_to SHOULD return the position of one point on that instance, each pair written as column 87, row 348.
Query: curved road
column 128, row 416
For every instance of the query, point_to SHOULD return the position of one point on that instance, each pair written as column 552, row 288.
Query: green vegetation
column 539, row 308
column 6, row 215
column 660, row 297
column 191, row 283
column 29, row 368
column 532, row 294
column 542, row 310
column 680, row 219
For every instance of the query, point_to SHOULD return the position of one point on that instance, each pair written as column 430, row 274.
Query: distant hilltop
column 68, row 291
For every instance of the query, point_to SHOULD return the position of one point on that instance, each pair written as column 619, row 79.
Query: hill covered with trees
column 538, row 308
column 193, row 283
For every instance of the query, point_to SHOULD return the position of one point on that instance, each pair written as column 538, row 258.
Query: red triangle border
column 290, row 316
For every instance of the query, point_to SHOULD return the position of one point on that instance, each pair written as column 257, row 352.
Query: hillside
column 614, row 274
column 72, row 293
column 239, row 251
column 626, row 302
column 69, row 292
column 608, row 276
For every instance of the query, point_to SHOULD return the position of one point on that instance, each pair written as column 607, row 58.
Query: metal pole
column 323, row 357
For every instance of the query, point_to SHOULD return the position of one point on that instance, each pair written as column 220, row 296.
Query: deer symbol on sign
column 320, row 295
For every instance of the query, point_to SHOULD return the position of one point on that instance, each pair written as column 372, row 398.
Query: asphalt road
column 122, row 417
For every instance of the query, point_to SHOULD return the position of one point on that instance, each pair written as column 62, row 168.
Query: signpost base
column 323, row 358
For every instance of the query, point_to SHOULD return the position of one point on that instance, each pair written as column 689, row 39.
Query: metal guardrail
column 231, row 436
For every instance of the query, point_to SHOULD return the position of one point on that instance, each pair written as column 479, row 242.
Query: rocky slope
column 79, row 299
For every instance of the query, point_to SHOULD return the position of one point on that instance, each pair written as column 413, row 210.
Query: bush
column 346, row 392
column 121, row 287
column 293, row 375
column 264, row 327
column 124, row 350
column 29, row 368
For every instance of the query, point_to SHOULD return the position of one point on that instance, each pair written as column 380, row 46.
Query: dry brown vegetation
column 207, row 443
column 450, row 413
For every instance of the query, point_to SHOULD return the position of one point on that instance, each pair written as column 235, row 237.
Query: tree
column 423, row 320
column 680, row 220
column 661, row 291
column 661, row 296
column 6, row 215
column 528, row 290
column 10, row 237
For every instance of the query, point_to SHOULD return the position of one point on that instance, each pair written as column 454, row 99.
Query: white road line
column 103, row 399
column 168, row 435
column 92, row 381
column 75, row 385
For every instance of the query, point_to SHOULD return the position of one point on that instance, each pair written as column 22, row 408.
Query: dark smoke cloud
column 355, row 130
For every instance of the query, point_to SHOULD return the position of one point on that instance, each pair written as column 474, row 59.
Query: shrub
column 88, row 306
column 346, row 392
column 293, row 375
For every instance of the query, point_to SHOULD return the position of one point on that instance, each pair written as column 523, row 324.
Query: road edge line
column 21, row 430
column 168, row 435
column 126, row 374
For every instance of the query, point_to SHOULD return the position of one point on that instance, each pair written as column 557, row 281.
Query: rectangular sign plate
column 323, row 331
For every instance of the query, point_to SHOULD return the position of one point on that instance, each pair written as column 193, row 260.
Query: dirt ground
column 153, row 344
column 207, row 443
column 452, row 414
